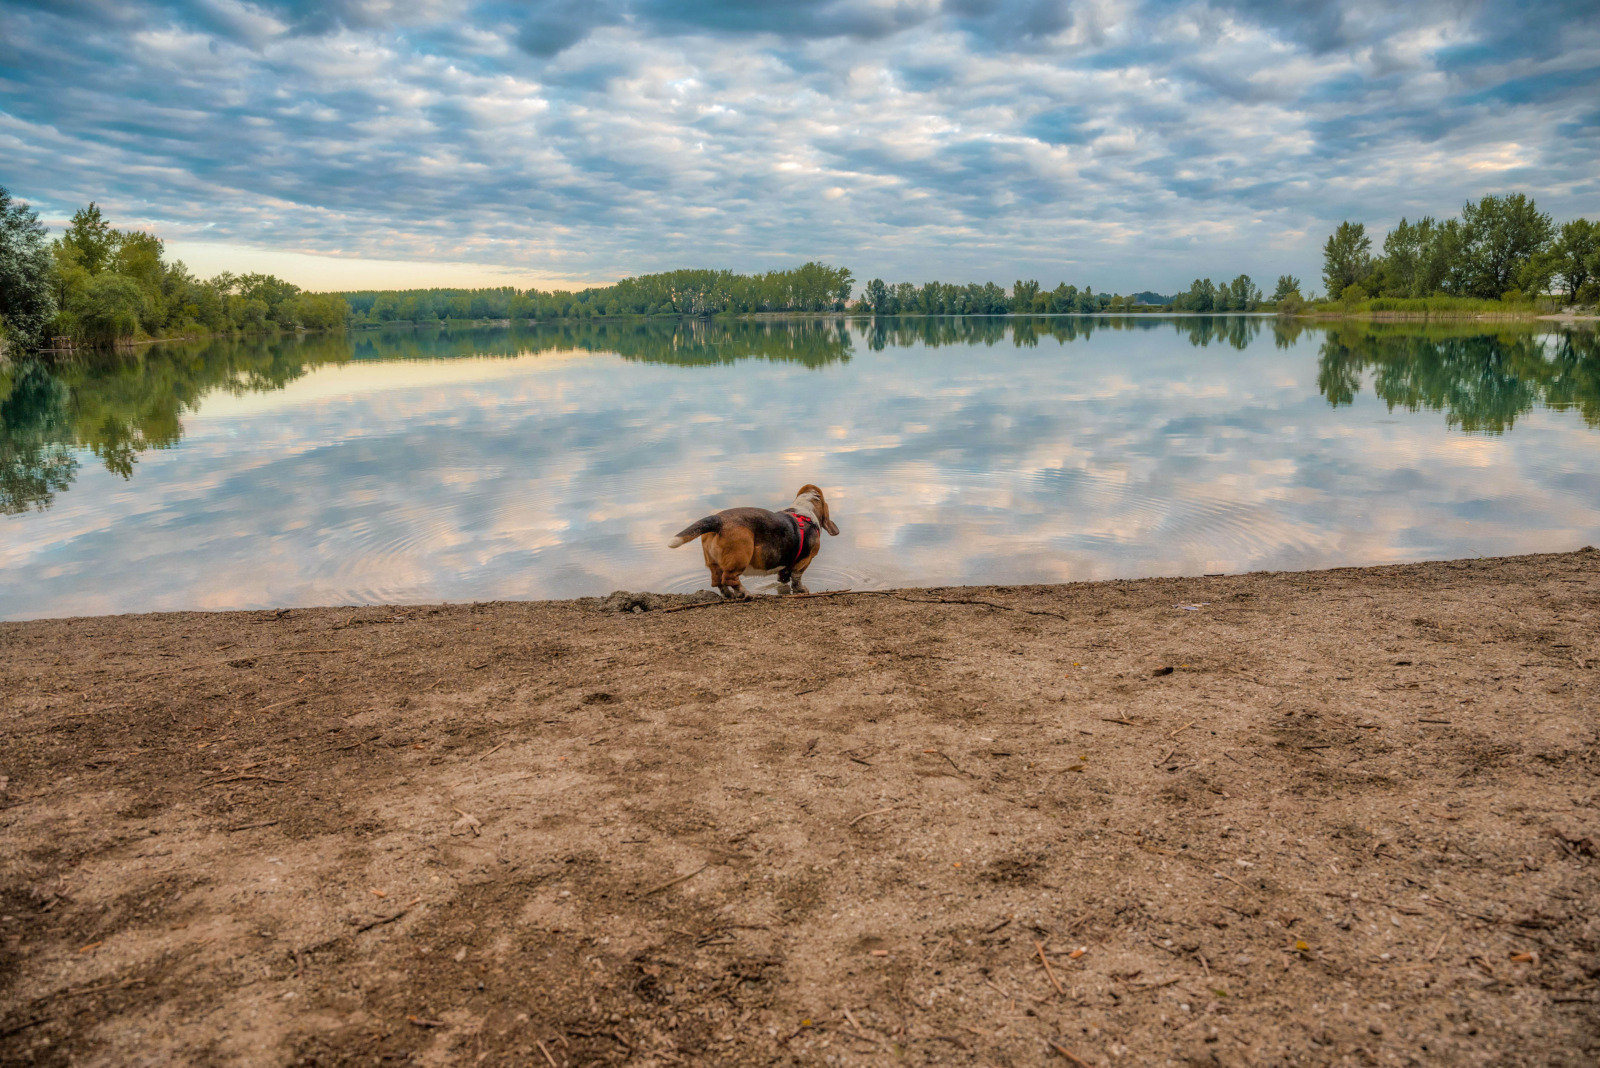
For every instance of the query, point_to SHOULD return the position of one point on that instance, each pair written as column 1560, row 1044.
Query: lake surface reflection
column 457, row 464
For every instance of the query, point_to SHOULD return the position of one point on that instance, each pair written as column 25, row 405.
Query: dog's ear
column 822, row 514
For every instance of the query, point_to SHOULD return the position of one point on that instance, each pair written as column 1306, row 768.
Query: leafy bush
column 106, row 310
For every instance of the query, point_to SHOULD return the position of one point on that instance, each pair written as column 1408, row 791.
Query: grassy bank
column 1423, row 308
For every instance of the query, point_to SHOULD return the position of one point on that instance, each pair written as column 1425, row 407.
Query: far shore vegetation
column 95, row 286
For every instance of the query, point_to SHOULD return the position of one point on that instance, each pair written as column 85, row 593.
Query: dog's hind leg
column 725, row 583
column 734, row 554
column 713, row 555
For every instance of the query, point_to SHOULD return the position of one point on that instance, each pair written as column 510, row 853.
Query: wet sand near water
column 1339, row 817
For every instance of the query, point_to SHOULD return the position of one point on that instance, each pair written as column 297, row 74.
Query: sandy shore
column 1343, row 817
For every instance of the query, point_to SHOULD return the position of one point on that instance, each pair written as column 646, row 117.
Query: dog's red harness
column 801, row 522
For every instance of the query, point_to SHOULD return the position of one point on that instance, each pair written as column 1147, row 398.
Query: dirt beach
column 1341, row 817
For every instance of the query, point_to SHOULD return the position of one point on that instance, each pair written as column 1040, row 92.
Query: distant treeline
column 813, row 287
column 97, row 285
column 1501, row 248
column 1026, row 298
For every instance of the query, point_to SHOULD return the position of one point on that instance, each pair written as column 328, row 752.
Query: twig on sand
column 709, row 604
column 673, row 882
column 253, row 826
column 946, row 757
column 17, row 1029
column 973, row 601
column 1183, row 728
column 277, row 652
column 546, row 1053
column 1434, row 952
column 874, row 812
column 1069, row 1055
column 612, row 1035
column 242, row 778
column 861, row 1032
column 82, row 990
column 1049, row 971
column 752, row 600
column 379, row 922
column 886, row 593
column 1031, row 997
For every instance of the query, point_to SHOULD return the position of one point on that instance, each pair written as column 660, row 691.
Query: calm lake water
column 477, row 464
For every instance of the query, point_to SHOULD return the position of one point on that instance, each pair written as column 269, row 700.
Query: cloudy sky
column 1119, row 145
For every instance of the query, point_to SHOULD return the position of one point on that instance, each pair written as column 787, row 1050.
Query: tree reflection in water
column 118, row 406
column 1025, row 331
column 1481, row 382
column 36, row 460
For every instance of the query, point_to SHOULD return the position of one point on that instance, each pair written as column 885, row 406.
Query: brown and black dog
column 754, row 540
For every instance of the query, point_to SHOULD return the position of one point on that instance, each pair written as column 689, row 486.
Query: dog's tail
column 711, row 524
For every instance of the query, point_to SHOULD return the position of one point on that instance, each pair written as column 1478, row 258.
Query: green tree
column 91, row 239
column 877, row 296
column 843, row 283
column 108, row 308
column 1418, row 259
column 1589, row 292
column 1023, row 295
column 1201, row 297
column 1499, row 235
column 27, row 298
column 1241, row 294
column 1346, row 258
column 138, row 256
column 1287, row 283
column 1402, row 273
column 1573, row 255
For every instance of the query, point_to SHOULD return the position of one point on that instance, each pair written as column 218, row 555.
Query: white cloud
column 1099, row 144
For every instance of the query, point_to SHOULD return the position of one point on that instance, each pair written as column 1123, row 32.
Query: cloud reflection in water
column 397, row 467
